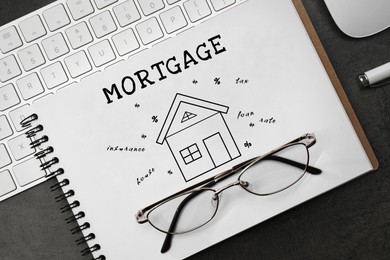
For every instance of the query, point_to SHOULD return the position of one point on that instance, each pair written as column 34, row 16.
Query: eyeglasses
column 263, row 175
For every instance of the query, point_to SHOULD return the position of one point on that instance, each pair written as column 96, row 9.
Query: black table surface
column 349, row 222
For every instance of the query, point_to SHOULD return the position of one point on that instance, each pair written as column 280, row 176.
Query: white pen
column 376, row 77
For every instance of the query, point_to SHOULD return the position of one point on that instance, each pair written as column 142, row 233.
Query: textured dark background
column 350, row 222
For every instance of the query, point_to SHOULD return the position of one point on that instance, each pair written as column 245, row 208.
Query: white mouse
column 360, row 18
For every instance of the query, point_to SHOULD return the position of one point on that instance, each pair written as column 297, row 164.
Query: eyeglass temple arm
column 309, row 169
column 168, row 238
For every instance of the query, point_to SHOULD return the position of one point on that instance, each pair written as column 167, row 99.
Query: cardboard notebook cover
column 335, row 81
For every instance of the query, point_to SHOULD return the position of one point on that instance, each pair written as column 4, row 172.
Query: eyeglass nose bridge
column 237, row 182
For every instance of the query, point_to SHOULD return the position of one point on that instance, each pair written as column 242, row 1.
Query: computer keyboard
column 66, row 41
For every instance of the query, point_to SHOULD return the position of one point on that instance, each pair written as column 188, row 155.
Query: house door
column 217, row 149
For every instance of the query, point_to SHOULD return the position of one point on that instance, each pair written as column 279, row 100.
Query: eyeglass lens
column 193, row 210
column 272, row 174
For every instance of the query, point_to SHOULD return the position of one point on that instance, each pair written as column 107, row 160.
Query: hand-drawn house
column 197, row 136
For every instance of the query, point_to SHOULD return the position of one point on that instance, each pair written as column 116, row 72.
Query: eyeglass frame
column 307, row 140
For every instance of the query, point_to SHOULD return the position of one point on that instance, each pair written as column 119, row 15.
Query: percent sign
column 247, row 144
column 217, row 81
column 154, row 119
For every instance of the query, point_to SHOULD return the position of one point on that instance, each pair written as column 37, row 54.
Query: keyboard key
column 9, row 68
column 8, row 97
column 18, row 115
column 7, row 184
column 79, row 8
column 221, row 4
column 20, row 147
column 5, row 159
column 72, row 84
column 78, row 35
column 150, row 6
column 32, row 28
column 78, row 64
column 9, row 39
column 49, row 94
column 30, row 86
column 5, row 127
column 31, row 57
column 54, row 75
column 90, row 75
column 56, row 17
column 28, row 171
column 103, row 3
column 101, row 53
column 55, row 46
column 197, row 9
column 126, row 13
column 173, row 19
column 149, row 30
column 102, row 24
column 170, row 2
column 125, row 42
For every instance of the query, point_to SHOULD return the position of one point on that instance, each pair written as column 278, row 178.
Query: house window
column 190, row 154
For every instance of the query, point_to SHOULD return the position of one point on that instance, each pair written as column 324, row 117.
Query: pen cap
column 379, row 73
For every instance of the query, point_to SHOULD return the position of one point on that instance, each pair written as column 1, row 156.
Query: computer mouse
column 360, row 18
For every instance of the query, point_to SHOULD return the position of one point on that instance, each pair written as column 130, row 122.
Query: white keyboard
column 66, row 41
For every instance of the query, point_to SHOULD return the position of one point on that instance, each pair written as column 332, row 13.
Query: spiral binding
column 46, row 166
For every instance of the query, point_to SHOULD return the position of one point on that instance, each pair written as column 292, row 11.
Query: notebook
column 244, row 83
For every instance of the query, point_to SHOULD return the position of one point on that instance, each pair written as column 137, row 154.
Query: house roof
column 180, row 98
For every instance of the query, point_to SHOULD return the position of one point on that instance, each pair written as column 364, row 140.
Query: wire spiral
column 46, row 165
